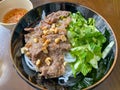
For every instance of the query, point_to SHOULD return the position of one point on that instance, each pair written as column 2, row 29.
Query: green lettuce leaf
column 86, row 42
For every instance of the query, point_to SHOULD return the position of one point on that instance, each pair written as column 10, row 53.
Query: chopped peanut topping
column 38, row 63
column 57, row 40
column 51, row 30
column 53, row 26
column 36, row 40
column 46, row 42
column 44, row 49
column 48, row 61
column 24, row 50
column 55, row 30
column 64, row 63
column 27, row 54
column 43, row 38
column 45, row 45
column 63, row 38
column 45, row 32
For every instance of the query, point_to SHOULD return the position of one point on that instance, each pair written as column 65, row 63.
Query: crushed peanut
column 38, row 63
column 48, row 61
column 45, row 32
column 63, row 38
column 46, row 42
column 55, row 30
column 27, row 54
column 64, row 63
column 51, row 30
column 57, row 40
column 44, row 49
column 43, row 38
column 24, row 50
column 36, row 40
column 53, row 26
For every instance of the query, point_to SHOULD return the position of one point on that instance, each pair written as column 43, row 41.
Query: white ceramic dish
column 7, row 5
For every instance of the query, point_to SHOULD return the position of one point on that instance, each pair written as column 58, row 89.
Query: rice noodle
column 67, row 78
column 69, row 58
column 30, row 64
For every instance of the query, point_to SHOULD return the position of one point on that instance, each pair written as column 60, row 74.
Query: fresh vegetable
column 107, row 49
column 86, row 42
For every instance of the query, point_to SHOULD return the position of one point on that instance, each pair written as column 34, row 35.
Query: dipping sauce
column 14, row 15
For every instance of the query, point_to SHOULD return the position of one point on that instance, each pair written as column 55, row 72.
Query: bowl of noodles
column 63, row 45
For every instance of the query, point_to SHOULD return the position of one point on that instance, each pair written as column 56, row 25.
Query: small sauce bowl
column 7, row 6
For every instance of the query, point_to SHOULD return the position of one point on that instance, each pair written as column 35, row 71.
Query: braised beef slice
column 55, row 51
column 53, row 18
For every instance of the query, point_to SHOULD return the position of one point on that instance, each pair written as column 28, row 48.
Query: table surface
column 109, row 9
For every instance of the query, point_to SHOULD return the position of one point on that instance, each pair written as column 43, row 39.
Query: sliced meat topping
column 47, row 43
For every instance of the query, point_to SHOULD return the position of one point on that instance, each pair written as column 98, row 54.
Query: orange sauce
column 14, row 15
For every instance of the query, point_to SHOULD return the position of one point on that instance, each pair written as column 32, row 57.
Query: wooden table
column 109, row 9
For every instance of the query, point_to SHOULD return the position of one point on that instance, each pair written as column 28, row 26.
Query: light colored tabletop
column 109, row 9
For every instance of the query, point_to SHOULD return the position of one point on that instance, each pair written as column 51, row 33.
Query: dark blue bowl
column 32, row 18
